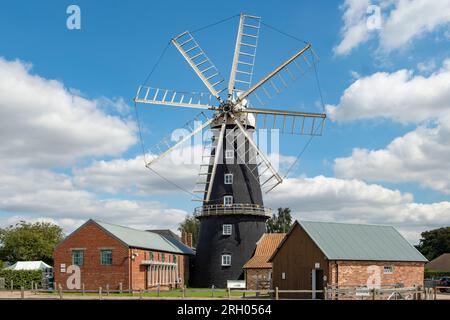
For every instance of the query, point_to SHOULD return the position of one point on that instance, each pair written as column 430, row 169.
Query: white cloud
column 411, row 19
column 401, row 96
column 403, row 22
column 39, row 194
column 422, row 156
column 44, row 124
column 121, row 175
column 332, row 199
column 354, row 31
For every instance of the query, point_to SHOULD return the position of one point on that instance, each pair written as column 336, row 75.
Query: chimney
column 186, row 238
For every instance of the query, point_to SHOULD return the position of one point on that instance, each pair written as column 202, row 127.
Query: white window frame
column 228, row 178
column 226, row 260
column 225, row 201
column 388, row 269
column 227, row 229
column 229, row 154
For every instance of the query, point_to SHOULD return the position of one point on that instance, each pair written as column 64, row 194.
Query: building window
column 226, row 260
column 226, row 229
column 106, row 257
column 283, row 275
column 152, row 256
column 228, row 178
column 229, row 154
column 388, row 269
column 228, row 200
column 77, row 257
column 174, row 258
column 163, row 257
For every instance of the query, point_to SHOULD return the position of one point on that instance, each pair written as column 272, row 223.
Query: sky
column 70, row 147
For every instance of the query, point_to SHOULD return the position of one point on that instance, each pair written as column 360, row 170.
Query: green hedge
column 21, row 278
column 433, row 274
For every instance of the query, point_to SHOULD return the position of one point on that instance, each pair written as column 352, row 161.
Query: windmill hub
column 227, row 106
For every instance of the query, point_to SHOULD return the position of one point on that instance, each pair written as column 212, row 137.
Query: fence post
column 22, row 293
column 99, row 293
column 60, row 291
column 183, row 293
column 373, row 294
column 325, row 293
column 32, row 285
column 12, row 285
column 276, row 293
column 120, row 287
column 229, row 293
column 141, row 294
column 158, row 289
column 212, row 291
column 107, row 289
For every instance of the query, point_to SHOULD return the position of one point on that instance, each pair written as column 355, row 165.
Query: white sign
column 317, row 265
column 236, row 284
column 63, row 268
column 363, row 292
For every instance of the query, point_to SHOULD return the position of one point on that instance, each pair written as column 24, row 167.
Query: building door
column 319, row 282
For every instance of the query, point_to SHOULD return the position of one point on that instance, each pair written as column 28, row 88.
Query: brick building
column 258, row 270
column 316, row 254
column 109, row 254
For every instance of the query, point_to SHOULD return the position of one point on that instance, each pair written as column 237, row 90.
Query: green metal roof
column 144, row 239
column 343, row 241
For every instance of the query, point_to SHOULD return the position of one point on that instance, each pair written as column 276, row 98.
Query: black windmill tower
column 235, row 172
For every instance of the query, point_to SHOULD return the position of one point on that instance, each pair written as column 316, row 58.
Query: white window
column 229, row 154
column 283, row 275
column 228, row 200
column 226, row 260
column 388, row 269
column 227, row 229
column 228, row 178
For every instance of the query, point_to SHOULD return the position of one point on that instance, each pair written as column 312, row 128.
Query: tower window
column 226, row 260
column 229, row 154
column 228, row 200
column 227, row 229
column 229, row 178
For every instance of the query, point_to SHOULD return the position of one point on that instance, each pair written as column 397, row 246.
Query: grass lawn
column 190, row 293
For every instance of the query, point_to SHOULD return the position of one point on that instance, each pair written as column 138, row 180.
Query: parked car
column 444, row 282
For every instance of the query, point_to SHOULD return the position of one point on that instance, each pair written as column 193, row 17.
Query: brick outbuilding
column 258, row 270
column 110, row 255
column 316, row 254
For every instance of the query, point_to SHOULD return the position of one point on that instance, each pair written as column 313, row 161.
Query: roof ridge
column 126, row 227
column 348, row 223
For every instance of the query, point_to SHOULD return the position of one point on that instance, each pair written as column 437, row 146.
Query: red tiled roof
column 265, row 247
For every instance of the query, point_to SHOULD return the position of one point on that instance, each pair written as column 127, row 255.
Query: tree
column 191, row 225
column 434, row 242
column 280, row 222
column 29, row 241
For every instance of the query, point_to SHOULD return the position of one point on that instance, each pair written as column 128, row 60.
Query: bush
column 433, row 274
column 21, row 278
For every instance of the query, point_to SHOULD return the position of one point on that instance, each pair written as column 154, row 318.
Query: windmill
column 235, row 172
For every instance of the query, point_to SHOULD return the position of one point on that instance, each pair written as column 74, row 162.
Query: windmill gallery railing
column 250, row 209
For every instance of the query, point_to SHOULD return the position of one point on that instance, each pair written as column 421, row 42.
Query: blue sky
column 382, row 158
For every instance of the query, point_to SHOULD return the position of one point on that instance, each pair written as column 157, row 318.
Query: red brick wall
column 94, row 275
column 352, row 273
column 91, row 238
